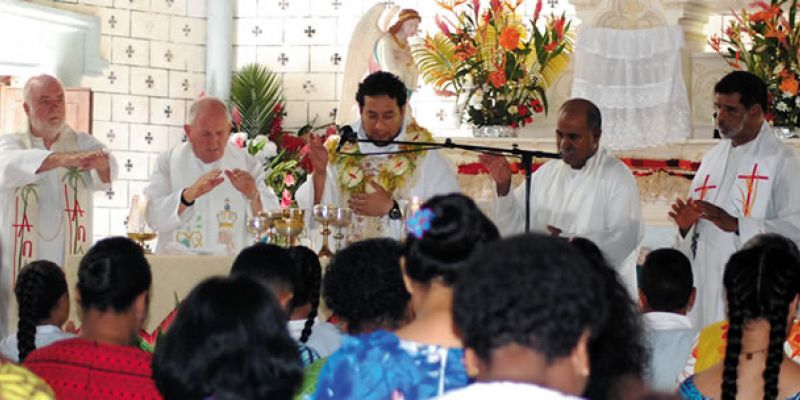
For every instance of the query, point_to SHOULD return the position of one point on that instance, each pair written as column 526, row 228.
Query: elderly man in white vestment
column 47, row 179
column 202, row 191
column 588, row 193
column 374, row 187
column 746, row 185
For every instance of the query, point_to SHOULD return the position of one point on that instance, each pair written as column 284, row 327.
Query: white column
column 219, row 48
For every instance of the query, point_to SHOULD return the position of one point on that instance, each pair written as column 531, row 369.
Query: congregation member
column 304, row 326
column 423, row 359
column 43, row 303
column 47, row 178
column 745, row 186
column 202, row 191
column 103, row 362
column 587, row 193
column 526, row 309
column 376, row 187
column 762, row 287
column 618, row 352
column 229, row 341
column 364, row 289
column 666, row 293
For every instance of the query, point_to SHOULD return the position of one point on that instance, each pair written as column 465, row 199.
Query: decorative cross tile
column 168, row 111
column 183, row 138
column 333, row 112
column 128, row 165
column 283, row 4
column 257, row 30
column 440, row 115
column 129, row 108
column 552, row 3
column 125, row 222
column 149, row 81
column 283, row 59
column 112, row 77
column 336, row 4
column 308, row 86
column 169, row 2
column 186, row 30
column 110, row 193
column 310, row 31
column 112, row 22
column 169, row 56
column 129, row 51
column 149, row 138
column 111, row 135
column 185, row 84
column 336, row 59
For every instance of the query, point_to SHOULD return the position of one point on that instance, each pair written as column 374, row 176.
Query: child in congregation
column 304, row 325
column 666, row 294
column 273, row 266
column 43, row 301
column 422, row 359
column 228, row 342
column 526, row 308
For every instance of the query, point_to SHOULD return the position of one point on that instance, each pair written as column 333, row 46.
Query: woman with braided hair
column 43, row 301
column 304, row 326
column 762, row 285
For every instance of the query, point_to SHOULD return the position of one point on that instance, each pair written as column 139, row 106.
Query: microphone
column 347, row 135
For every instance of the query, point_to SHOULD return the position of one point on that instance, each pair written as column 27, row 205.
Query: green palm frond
column 255, row 91
column 436, row 60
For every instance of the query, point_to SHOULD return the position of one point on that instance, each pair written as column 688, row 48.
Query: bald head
column 44, row 104
column 208, row 128
column 579, row 106
column 206, row 104
column 578, row 131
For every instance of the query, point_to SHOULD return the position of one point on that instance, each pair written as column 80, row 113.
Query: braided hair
column 39, row 287
column 760, row 283
column 307, row 287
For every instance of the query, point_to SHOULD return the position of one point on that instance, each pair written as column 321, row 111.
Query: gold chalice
column 324, row 214
column 342, row 219
column 257, row 225
column 291, row 224
column 272, row 233
column 141, row 238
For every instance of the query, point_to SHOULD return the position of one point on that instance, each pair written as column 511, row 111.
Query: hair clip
column 420, row 222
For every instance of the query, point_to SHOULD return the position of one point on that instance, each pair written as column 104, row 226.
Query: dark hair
column 617, row 351
column 112, row 274
column 364, row 285
column 229, row 341
column 760, row 282
column 269, row 264
column 532, row 290
column 40, row 285
column 666, row 279
column 382, row 83
column 773, row 241
column 458, row 229
column 306, row 289
column 594, row 119
column 752, row 90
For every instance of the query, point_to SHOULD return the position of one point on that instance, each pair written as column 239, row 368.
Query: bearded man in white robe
column 374, row 187
column 746, row 185
column 202, row 191
column 47, row 179
column 588, row 193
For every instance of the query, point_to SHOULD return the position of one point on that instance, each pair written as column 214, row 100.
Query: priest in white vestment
column 47, row 179
column 746, row 185
column 376, row 187
column 202, row 191
column 588, row 193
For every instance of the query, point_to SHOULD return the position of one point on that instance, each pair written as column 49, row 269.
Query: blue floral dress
column 379, row 365
column 688, row 391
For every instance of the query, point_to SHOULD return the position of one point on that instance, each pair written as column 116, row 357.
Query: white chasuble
column 599, row 202
column 216, row 221
column 754, row 182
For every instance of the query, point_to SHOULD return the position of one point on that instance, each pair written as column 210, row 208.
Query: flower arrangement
column 765, row 41
column 497, row 63
column 258, row 113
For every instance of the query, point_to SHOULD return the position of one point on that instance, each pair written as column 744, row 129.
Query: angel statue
column 378, row 46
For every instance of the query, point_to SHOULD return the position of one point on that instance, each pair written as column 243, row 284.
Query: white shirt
column 45, row 335
column 325, row 337
column 669, row 337
column 506, row 391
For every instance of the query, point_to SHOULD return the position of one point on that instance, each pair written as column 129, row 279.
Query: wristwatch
column 395, row 213
column 184, row 201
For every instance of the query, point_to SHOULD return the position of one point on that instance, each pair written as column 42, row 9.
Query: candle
column 415, row 203
column 142, row 213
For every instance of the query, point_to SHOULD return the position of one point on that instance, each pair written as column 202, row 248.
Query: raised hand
column 204, row 184
column 684, row 214
column 716, row 216
column 375, row 204
column 317, row 154
column 499, row 170
column 243, row 182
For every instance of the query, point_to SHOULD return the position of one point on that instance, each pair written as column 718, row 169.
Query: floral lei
column 392, row 174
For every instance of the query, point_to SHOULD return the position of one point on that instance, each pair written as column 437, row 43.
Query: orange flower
column 774, row 32
column 715, row 42
column 465, row 50
column 767, row 14
column 450, row 5
column 497, row 78
column 789, row 84
column 509, row 38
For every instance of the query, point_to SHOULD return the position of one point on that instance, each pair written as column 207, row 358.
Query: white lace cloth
column 635, row 77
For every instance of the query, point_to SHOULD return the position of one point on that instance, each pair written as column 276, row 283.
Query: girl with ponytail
column 304, row 326
column 43, row 301
column 762, row 285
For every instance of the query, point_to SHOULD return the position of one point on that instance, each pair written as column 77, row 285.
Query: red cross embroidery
column 24, row 225
column 751, row 181
column 704, row 189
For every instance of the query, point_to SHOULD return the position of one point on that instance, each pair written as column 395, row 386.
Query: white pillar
column 219, row 48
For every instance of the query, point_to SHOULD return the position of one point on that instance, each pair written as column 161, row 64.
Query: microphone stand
column 526, row 157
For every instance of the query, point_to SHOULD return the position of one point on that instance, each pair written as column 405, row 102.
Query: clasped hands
column 241, row 180
column 686, row 214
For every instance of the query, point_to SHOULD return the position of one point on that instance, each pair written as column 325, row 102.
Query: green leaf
column 256, row 91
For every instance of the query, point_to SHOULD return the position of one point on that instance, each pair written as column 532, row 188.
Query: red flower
column 523, row 111
column 496, row 5
column 559, row 27
column 537, row 106
column 537, row 10
column 498, row 78
column 528, row 120
column 442, row 26
column 331, row 130
column 292, row 143
column 550, row 46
